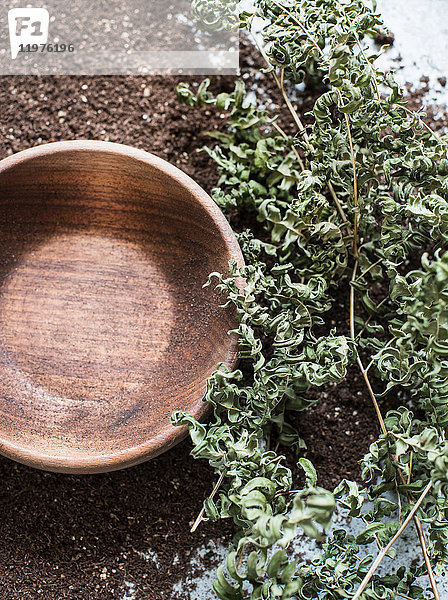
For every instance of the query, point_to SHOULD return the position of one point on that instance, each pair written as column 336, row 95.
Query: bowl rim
column 172, row 435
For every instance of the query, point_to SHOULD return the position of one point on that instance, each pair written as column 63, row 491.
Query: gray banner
column 118, row 37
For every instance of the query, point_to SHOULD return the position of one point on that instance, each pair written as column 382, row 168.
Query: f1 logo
column 27, row 26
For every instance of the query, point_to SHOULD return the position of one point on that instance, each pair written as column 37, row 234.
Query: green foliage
column 351, row 200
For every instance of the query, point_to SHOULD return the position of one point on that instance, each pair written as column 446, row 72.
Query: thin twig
column 421, row 536
column 298, row 122
column 368, row 269
column 372, row 362
column 386, row 548
column 372, row 70
column 355, row 182
column 286, row 137
column 410, row 466
column 338, row 204
column 369, row 318
column 352, row 302
column 421, row 539
column 417, row 522
column 201, row 514
column 303, row 130
column 372, row 396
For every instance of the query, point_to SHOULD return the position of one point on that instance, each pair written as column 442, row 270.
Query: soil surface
column 84, row 537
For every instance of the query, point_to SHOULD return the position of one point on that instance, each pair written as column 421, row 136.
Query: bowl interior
column 105, row 326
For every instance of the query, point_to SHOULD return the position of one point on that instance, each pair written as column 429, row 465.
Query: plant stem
column 372, row 362
column 384, row 551
column 372, row 396
column 355, row 182
column 352, row 302
column 421, row 539
column 336, row 201
column 417, row 522
column 285, row 136
column 292, row 110
column 372, row 70
column 379, row 305
column 377, row 262
column 201, row 514
column 298, row 122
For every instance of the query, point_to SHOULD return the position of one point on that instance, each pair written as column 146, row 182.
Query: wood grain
column 105, row 326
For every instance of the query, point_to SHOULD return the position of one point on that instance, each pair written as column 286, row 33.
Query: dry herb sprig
column 350, row 201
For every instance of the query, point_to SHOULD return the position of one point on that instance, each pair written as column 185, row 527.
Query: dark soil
column 84, row 537
column 386, row 38
column 436, row 116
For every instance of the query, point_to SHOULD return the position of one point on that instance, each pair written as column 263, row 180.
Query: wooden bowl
column 105, row 326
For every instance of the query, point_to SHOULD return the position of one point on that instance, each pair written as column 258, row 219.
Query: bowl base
column 82, row 318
